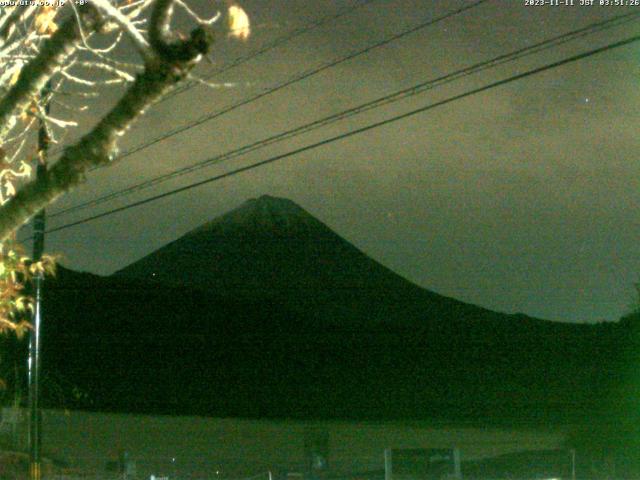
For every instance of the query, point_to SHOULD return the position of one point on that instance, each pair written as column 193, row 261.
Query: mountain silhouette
column 267, row 312
column 273, row 250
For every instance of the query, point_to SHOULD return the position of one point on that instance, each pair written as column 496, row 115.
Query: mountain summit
column 265, row 311
column 266, row 212
column 271, row 248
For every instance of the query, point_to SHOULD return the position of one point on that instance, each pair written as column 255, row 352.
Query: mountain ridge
column 321, row 326
column 256, row 247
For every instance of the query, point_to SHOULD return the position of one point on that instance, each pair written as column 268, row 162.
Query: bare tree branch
column 171, row 63
column 196, row 17
column 14, row 16
column 127, row 26
column 36, row 73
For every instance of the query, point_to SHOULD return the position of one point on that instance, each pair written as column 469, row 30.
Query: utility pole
column 35, row 419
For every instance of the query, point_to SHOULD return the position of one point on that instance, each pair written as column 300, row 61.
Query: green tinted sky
column 521, row 199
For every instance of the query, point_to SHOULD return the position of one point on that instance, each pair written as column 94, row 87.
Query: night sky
column 520, row 199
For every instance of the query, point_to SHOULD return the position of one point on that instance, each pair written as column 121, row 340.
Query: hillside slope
column 267, row 312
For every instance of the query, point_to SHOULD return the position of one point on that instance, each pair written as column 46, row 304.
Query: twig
column 36, row 73
column 125, row 23
column 194, row 15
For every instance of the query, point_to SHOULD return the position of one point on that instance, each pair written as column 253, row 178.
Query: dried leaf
column 239, row 26
column 44, row 22
column 15, row 76
column 23, row 304
column 22, row 328
column 9, row 189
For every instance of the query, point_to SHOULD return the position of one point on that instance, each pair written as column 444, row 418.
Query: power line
column 387, row 99
column 358, row 131
column 298, row 78
column 270, row 46
column 261, row 51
